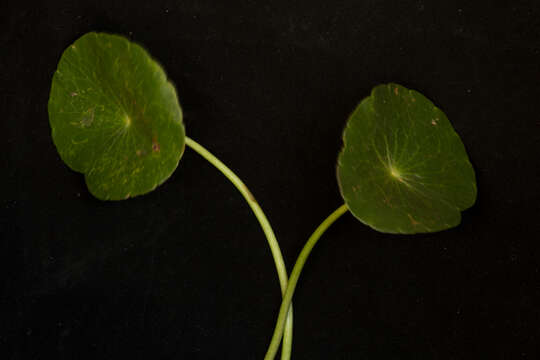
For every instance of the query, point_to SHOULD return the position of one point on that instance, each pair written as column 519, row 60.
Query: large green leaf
column 403, row 168
column 115, row 117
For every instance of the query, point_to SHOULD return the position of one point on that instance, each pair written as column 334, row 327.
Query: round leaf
column 115, row 117
column 403, row 168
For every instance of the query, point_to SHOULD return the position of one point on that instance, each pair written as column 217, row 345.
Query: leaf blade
column 115, row 117
column 403, row 168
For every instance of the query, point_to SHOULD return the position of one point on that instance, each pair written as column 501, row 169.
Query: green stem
column 293, row 279
column 265, row 225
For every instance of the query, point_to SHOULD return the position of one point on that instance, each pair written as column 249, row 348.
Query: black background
column 185, row 273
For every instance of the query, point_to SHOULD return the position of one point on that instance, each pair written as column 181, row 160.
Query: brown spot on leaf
column 434, row 121
column 396, row 91
column 72, row 94
column 88, row 118
column 155, row 144
column 413, row 221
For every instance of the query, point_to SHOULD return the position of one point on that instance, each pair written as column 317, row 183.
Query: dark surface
column 185, row 272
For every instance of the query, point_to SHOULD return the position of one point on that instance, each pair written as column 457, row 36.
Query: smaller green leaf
column 115, row 117
column 403, row 168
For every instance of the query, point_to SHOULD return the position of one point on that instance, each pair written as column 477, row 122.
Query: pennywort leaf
column 115, row 117
column 403, row 168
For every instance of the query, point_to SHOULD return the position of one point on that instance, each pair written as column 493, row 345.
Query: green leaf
column 115, row 117
column 403, row 168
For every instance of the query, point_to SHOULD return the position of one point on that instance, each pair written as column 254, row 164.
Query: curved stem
column 265, row 225
column 293, row 279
